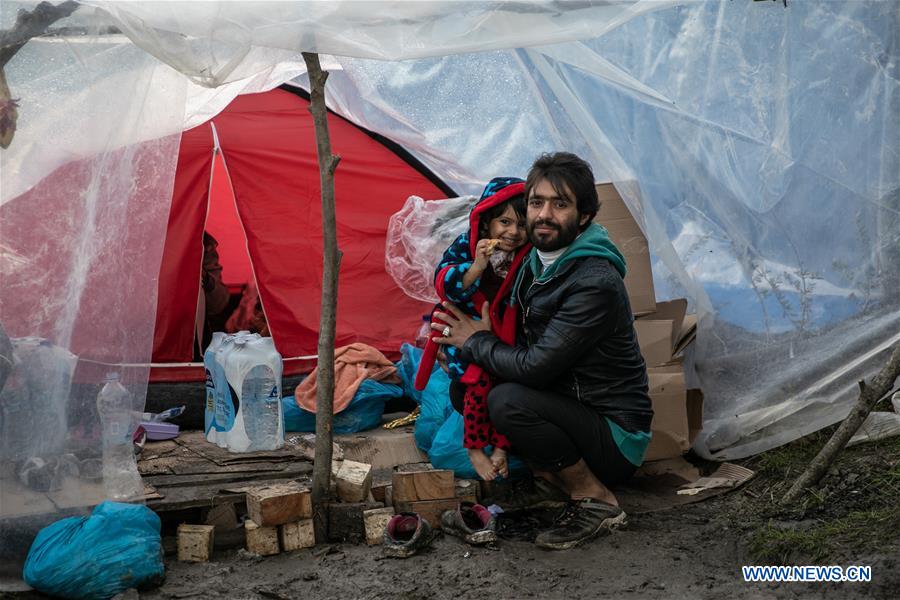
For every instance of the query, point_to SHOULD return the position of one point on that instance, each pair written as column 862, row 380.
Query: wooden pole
column 331, row 266
column 868, row 397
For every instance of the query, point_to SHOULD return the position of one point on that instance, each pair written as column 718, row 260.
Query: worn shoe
column 579, row 522
column 526, row 494
column 472, row 522
column 406, row 534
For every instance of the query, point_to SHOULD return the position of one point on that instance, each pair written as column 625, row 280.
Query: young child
column 480, row 266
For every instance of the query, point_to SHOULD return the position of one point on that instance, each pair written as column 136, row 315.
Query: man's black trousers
column 551, row 432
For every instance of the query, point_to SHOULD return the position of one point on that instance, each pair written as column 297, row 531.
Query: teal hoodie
column 593, row 241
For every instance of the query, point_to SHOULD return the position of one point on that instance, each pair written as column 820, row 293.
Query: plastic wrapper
column 34, row 400
column 418, row 235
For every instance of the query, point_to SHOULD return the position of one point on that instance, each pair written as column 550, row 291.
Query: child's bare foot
column 499, row 460
column 482, row 464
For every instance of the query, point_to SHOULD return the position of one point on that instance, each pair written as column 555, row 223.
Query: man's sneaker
column 579, row 522
column 525, row 494
column 406, row 534
column 472, row 522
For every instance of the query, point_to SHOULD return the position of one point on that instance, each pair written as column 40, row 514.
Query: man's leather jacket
column 576, row 337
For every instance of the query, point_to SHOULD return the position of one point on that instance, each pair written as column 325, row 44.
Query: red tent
column 250, row 177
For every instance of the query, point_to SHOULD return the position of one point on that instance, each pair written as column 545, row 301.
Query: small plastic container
column 160, row 430
column 424, row 332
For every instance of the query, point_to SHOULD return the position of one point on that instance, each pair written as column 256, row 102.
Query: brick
column 297, row 535
column 195, row 542
column 261, row 540
column 423, row 485
column 277, row 504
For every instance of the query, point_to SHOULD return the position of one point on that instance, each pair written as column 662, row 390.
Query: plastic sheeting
column 87, row 182
column 757, row 146
column 417, row 236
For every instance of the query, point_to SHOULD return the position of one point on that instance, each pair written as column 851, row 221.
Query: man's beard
column 565, row 235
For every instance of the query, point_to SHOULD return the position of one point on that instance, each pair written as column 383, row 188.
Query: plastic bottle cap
column 112, row 376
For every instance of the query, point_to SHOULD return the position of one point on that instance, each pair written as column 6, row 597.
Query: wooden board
column 423, row 485
column 226, row 476
column 278, row 504
column 430, row 510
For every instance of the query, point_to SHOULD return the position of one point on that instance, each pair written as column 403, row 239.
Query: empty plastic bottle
column 114, row 405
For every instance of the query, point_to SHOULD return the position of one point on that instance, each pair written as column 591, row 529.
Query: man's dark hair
column 518, row 204
column 564, row 169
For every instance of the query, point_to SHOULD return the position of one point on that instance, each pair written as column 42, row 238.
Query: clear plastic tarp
column 86, row 182
column 757, row 146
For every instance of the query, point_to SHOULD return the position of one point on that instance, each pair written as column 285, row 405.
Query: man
column 575, row 405
column 213, row 299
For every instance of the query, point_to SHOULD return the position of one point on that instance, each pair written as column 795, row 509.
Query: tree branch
column 331, row 266
column 30, row 25
column 869, row 396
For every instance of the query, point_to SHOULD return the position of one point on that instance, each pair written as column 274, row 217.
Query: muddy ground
column 693, row 551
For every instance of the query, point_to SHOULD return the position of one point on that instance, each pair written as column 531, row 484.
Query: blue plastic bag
column 433, row 401
column 439, row 428
column 116, row 548
column 363, row 413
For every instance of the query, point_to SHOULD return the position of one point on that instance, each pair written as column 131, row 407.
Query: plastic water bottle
column 262, row 401
column 114, row 405
column 253, row 370
column 212, row 369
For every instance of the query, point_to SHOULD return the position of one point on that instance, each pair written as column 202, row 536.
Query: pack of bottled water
column 243, row 393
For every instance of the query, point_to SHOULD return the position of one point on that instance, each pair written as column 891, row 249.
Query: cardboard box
column 655, row 339
column 660, row 333
column 676, row 420
column 628, row 237
column 687, row 335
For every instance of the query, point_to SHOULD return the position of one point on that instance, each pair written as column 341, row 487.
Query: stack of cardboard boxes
column 664, row 331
